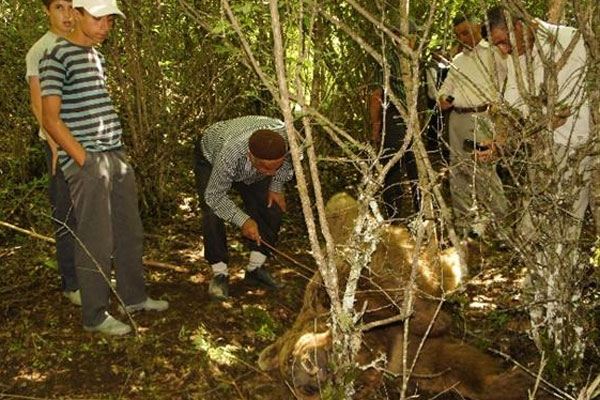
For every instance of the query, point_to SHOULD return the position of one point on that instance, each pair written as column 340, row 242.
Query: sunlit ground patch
column 222, row 355
column 31, row 376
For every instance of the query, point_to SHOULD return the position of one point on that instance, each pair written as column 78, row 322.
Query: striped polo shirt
column 225, row 146
column 76, row 74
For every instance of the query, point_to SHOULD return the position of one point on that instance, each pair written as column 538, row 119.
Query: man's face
column 501, row 38
column 467, row 33
column 95, row 29
column 61, row 19
column 266, row 167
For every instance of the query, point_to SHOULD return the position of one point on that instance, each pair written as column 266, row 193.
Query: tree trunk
column 556, row 10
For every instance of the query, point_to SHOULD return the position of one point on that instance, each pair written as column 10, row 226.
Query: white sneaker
column 479, row 227
column 147, row 305
column 110, row 326
column 74, row 297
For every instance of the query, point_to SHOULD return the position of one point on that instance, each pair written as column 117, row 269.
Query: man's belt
column 471, row 110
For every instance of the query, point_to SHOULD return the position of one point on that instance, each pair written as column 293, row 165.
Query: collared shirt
column 571, row 80
column 225, row 146
column 475, row 77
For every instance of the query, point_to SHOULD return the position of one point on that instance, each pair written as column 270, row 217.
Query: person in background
column 437, row 127
column 78, row 114
column 571, row 118
column 472, row 84
column 388, row 129
column 61, row 24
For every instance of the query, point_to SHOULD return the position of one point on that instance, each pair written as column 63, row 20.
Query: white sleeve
column 32, row 60
column 449, row 84
column 511, row 92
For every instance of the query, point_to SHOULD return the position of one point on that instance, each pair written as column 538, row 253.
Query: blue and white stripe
column 76, row 74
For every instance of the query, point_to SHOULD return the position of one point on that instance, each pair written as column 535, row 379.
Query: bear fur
column 444, row 364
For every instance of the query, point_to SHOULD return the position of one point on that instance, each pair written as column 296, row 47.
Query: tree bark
column 556, row 10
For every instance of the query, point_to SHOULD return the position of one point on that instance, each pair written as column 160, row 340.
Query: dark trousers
column 393, row 191
column 254, row 197
column 109, row 227
column 393, row 140
column 64, row 224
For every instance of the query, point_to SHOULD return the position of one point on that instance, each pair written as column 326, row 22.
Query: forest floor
column 199, row 349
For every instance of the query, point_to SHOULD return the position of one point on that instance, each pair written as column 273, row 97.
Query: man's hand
column 560, row 116
column 277, row 198
column 493, row 151
column 445, row 104
column 250, row 230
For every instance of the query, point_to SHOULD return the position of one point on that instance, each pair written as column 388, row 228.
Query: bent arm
column 447, row 89
column 35, row 99
column 375, row 108
column 57, row 130
column 215, row 195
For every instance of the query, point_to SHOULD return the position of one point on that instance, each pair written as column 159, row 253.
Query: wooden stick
column 382, row 322
column 289, row 258
column 27, row 232
column 158, row 264
column 149, row 263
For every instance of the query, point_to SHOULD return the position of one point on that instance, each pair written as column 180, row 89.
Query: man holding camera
column 472, row 83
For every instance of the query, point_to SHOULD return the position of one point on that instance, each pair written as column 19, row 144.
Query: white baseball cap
column 99, row 8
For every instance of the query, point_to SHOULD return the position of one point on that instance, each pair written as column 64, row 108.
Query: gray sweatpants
column 104, row 197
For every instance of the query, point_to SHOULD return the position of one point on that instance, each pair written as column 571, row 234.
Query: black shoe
column 262, row 277
column 218, row 288
column 473, row 235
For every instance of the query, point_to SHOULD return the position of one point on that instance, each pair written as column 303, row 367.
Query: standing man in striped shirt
column 79, row 115
column 250, row 155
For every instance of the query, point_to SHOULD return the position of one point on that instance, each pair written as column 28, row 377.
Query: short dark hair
column 496, row 18
column 460, row 18
column 266, row 144
column 47, row 3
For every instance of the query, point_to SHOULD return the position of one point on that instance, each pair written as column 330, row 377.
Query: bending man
column 250, row 155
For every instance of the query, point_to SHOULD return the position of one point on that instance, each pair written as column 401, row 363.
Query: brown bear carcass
column 444, row 364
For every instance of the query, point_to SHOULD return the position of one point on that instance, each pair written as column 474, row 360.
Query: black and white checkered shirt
column 225, row 146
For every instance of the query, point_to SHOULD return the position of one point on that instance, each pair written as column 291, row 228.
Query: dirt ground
column 198, row 349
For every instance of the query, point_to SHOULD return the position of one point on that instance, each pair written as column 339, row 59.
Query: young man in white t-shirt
column 61, row 23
